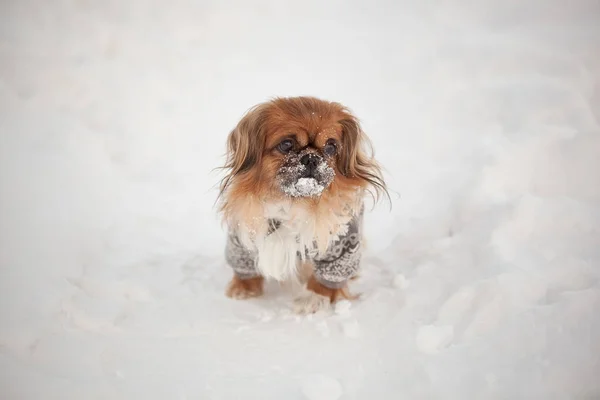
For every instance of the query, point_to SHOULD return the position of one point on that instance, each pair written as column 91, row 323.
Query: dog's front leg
column 247, row 281
column 240, row 289
column 332, row 272
column 318, row 296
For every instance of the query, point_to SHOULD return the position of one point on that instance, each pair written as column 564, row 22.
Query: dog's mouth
column 305, row 175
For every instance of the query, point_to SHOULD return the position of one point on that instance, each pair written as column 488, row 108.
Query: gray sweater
column 339, row 263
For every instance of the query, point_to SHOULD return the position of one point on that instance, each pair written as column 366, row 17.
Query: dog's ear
column 356, row 160
column 245, row 144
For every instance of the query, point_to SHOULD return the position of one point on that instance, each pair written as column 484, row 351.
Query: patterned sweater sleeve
column 241, row 260
column 342, row 259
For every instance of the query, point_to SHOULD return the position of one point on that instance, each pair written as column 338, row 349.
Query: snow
column 431, row 339
column 321, row 387
column 307, row 187
column 114, row 114
column 401, row 282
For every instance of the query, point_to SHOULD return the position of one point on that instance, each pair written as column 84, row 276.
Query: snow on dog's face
column 301, row 150
column 305, row 173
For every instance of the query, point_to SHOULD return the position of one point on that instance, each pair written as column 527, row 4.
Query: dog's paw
column 241, row 289
column 310, row 302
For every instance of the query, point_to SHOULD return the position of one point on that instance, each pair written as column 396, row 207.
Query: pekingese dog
column 297, row 172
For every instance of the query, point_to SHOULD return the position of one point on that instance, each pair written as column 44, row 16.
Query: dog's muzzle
column 305, row 174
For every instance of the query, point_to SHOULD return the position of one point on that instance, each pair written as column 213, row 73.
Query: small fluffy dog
column 297, row 173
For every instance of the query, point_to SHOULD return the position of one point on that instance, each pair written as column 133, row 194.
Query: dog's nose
column 310, row 161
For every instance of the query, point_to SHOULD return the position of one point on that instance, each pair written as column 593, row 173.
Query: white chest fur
column 299, row 234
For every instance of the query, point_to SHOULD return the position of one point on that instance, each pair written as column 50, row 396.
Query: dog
column 297, row 173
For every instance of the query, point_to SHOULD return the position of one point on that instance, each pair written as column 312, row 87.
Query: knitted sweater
column 340, row 262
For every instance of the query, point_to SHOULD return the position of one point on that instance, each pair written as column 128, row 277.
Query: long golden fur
column 253, row 161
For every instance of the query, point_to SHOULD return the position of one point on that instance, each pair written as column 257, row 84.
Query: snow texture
column 321, row 387
column 482, row 281
column 431, row 339
column 307, row 187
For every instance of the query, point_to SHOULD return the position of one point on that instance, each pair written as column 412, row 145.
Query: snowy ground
column 482, row 282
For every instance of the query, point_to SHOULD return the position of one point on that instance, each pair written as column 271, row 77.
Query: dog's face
column 303, row 155
column 300, row 148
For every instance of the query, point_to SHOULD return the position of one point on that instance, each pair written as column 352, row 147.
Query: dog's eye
column 330, row 148
column 286, row 145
